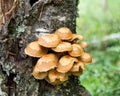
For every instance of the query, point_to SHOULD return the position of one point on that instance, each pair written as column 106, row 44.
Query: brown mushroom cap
column 62, row 47
column 77, row 50
column 35, row 50
column 83, row 44
column 86, row 58
column 64, row 33
column 49, row 40
column 39, row 75
column 76, row 37
column 77, row 66
column 46, row 62
column 65, row 63
column 56, row 77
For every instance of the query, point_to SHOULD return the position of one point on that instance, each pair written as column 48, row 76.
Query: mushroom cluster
column 59, row 54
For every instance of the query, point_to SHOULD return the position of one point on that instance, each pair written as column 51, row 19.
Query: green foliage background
column 102, row 77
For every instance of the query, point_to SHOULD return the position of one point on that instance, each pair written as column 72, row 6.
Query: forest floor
column 99, row 23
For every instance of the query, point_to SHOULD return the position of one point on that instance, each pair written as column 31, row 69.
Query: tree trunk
column 31, row 19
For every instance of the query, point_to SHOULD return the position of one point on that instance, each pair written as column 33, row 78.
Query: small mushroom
column 46, row 62
column 76, row 37
column 55, row 77
column 86, row 58
column 76, row 51
column 77, row 66
column 35, row 50
column 65, row 63
column 49, row 40
column 83, row 44
column 62, row 47
column 64, row 33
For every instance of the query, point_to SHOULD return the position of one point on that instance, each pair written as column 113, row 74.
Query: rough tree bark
column 33, row 18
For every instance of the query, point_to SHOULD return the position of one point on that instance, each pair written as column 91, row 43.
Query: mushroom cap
column 64, row 33
column 35, row 50
column 62, row 47
column 77, row 50
column 77, row 66
column 46, row 62
column 39, row 75
column 49, row 40
column 86, row 58
column 55, row 77
column 65, row 63
column 83, row 44
column 76, row 37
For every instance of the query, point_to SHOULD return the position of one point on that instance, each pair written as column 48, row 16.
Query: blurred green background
column 99, row 23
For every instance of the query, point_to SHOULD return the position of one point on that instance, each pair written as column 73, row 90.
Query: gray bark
column 15, row 66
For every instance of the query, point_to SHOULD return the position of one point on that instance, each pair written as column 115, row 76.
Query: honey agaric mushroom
column 86, row 58
column 55, row 77
column 64, row 33
column 65, row 63
column 35, row 50
column 83, row 44
column 49, row 40
column 76, row 37
column 62, row 47
column 46, row 62
column 77, row 66
column 77, row 50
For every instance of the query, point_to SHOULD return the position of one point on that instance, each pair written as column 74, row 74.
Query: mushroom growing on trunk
column 65, row 63
column 46, row 62
column 76, row 51
column 86, row 58
column 35, row 50
column 64, row 33
column 49, row 40
column 62, row 47
column 61, row 55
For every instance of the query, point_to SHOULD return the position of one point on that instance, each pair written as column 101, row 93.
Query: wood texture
column 7, row 10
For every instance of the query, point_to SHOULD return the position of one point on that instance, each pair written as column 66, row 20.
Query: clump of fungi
column 60, row 55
